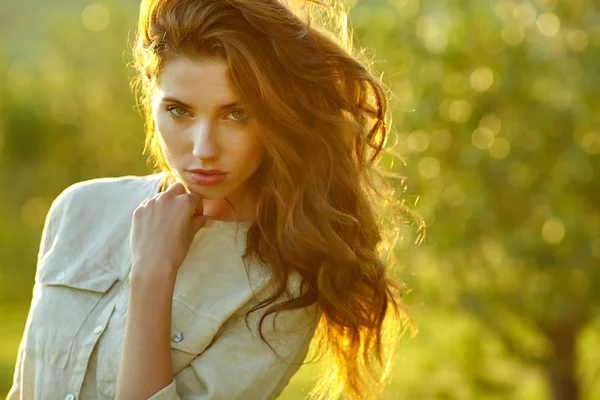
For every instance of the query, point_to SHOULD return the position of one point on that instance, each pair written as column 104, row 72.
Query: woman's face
column 201, row 125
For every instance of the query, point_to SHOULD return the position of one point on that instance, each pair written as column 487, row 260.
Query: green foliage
column 496, row 111
column 498, row 120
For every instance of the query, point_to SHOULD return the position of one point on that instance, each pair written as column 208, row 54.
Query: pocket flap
column 190, row 332
column 84, row 274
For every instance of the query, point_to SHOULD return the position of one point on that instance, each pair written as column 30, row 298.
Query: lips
column 206, row 177
column 207, row 171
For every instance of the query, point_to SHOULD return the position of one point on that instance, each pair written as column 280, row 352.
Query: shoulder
column 89, row 202
column 99, row 189
column 105, row 191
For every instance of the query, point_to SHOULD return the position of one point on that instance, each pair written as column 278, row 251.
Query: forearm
column 146, row 360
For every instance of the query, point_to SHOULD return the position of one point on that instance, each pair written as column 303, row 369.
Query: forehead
column 195, row 81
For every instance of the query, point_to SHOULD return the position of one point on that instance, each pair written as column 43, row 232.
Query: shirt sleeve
column 15, row 391
column 47, row 239
column 239, row 365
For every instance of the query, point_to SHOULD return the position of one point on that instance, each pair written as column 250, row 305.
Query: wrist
column 147, row 275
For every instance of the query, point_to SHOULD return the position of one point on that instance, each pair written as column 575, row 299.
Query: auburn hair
column 325, row 209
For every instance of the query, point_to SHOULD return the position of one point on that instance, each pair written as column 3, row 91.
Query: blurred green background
column 497, row 112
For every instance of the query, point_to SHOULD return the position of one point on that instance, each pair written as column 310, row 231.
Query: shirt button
column 59, row 277
column 178, row 337
column 70, row 396
column 98, row 329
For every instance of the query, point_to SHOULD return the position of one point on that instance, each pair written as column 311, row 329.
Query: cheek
column 258, row 153
column 169, row 135
column 257, row 148
column 169, row 147
column 163, row 125
column 250, row 150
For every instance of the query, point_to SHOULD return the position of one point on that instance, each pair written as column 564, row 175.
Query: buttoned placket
column 121, row 306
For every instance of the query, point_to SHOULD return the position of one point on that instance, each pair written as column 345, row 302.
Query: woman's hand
column 163, row 229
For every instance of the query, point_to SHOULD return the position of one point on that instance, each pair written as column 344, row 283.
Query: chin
column 207, row 192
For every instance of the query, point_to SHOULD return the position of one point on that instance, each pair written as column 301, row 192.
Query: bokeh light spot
column 553, row 231
column 458, row 111
column 499, row 149
column 418, row 141
column 454, row 196
column 432, row 33
column 548, row 24
column 492, row 122
column 482, row 138
column 577, row 40
column 481, row 79
column 429, row 167
column 512, row 35
column 440, row 139
column 590, row 142
column 503, row 10
column 95, row 17
column 525, row 13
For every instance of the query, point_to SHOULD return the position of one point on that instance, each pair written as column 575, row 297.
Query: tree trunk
column 562, row 364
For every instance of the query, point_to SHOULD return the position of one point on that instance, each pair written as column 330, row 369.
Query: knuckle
column 183, row 201
column 165, row 196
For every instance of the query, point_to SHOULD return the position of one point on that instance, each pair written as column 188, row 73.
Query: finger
column 177, row 188
column 145, row 202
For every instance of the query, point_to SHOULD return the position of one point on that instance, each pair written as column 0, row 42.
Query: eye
column 176, row 111
column 239, row 115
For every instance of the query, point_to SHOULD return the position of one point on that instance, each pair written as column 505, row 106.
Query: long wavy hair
column 325, row 209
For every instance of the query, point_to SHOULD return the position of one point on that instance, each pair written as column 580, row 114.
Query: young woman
column 257, row 234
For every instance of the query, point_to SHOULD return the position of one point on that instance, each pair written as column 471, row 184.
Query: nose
column 205, row 141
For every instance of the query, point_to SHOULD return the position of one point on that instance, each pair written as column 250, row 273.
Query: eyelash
column 242, row 120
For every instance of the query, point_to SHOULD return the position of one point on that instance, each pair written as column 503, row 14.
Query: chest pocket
column 191, row 334
column 65, row 294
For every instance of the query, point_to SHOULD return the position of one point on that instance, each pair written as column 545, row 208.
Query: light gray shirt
column 73, row 337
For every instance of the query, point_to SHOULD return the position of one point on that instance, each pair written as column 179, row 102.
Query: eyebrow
column 221, row 107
